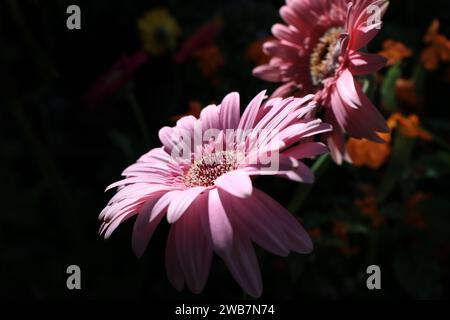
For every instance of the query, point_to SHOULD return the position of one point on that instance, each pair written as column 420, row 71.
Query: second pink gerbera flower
column 318, row 51
column 200, row 181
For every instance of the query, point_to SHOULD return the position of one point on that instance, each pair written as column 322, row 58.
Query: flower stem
column 318, row 168
column 440, row 141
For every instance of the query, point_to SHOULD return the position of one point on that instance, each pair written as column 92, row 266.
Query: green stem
column 440, row 141
column 402, row 149
column 318, row 168
column 139, row 115
column 418, row 74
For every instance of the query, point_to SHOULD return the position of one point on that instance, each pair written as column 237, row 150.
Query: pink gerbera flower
column 319, row 52
column 200, row 181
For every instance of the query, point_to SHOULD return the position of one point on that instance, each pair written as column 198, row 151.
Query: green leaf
column 370, row 86
column 388, row 88
column 398, row 164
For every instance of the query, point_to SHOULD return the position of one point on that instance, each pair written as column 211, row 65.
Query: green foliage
column 388, row 89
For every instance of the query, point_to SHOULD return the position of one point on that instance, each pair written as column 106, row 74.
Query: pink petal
column 298, row 238
column 285, row 51
column 304, row 11
column 294, row 71
column 243, row 265
column 230, row 112
column 361, row 15
column 274, row 119
column 187, row 123
column 210, row 118
column 267, row 72
column 295, row 132
column 165, row 135
column 135, row 190
column 108, row 228
column 361, row 120
column 361, row 32
column 285, row 90
column 347, row 91
column 261, row 225
column 362, row 63
column 163, row 203
column 335, row 140
column 194, row 250
column 291, row 17
column 220, row 227
column 158, row 154
column 300, row 174
column 339, row 110
column 306, row 150
column 181, row 203
column 283, row 32
column 337, row 147
column 370, row 116
column 173, row 267
column 152, row 171
column 141, row 180
column 236, row 182
column 284, row 164
column 250, row 113
column 350, row 119
column 144, row 227
column 362, row 35
column 118, row 209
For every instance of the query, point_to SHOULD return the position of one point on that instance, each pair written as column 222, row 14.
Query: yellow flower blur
column 158, row 31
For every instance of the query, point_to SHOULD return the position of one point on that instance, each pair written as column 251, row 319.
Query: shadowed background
column 78, row 106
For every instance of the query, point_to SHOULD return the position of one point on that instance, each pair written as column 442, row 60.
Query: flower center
column 204, row 171
column 325, row 56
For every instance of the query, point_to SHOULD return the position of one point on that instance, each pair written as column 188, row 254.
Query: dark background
column 58, row 155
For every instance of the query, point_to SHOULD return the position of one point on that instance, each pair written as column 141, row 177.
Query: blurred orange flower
column 438, row 50
column 409, row 126
column 195, row 108
column 394, row 51
column 209, row 60
column 406, row 92
column 372, row 154
column 413, row 216
column 315, row 232
column 368, row 153
column 340, row 230
column 369, row 207
column 255, row 53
